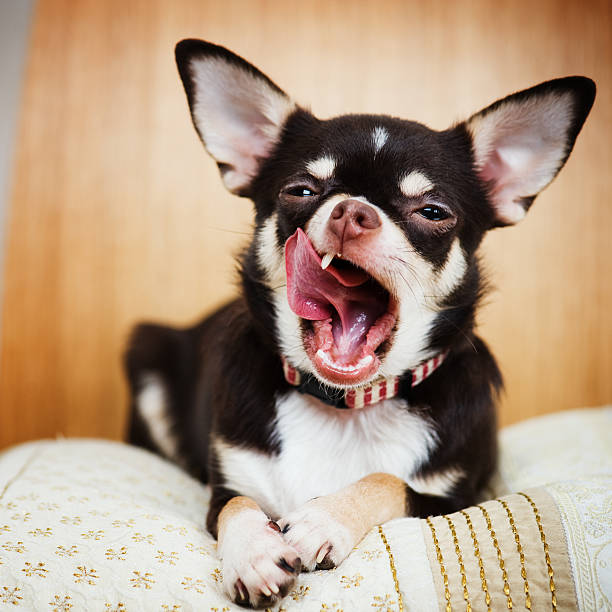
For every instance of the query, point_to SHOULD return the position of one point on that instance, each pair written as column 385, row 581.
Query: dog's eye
column 433, row 213
column 300, row 191
column 298, row 194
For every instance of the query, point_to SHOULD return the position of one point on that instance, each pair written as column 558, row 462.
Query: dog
column 345, row 386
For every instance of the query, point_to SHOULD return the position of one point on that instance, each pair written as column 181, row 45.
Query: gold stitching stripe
column 483, row 579
column 447, row 594
column 502, row 565
column 519, row 549
column 400, row 602
column 551, row 574
column 466, row 597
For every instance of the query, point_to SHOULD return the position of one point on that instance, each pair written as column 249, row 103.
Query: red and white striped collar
column 359, row 397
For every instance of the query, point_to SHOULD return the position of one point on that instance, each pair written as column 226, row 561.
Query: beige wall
column 118, row 215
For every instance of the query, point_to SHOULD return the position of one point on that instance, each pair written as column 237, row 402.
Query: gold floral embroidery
column 335, row 607
column 98, row 513
column 83, row 574
column 226, row 609
column 93, row 534
column 371, row 555
column 4, row 528
column 171, row 558
column 216, row 575
column 189, row 584
column 140, row 537
column 116, row 555
column 10, row 595
column 351, row 581
column 79, row 500
column 21, row 516
column 68, row 520
column 125, row 523
column 180, row 530
column 384, row 603
column 174, row 608
column 299, row 592
column 120, row 607
column 10, row 505
column 38, row 570
column 48, row 506
column 199, row 549
column 61, row 603
column 18, row 548
column 142, row 580
column 62, row 551
column 41, row 532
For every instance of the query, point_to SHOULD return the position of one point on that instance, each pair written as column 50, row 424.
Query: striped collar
column 359, row 397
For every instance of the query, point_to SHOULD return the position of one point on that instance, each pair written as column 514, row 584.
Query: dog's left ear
column 236, row 109
column 521, row 142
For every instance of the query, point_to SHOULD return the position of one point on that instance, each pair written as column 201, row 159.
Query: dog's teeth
column 327, row 259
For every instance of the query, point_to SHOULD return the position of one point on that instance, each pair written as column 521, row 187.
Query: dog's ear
column 521, row 142
column 237, row 110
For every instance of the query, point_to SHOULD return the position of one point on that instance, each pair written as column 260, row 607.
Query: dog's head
column 367, row 226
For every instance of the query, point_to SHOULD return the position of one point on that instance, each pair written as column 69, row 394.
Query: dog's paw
column 315, row 531
column 259, row 566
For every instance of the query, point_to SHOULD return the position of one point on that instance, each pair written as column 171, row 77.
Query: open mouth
column 348, row 315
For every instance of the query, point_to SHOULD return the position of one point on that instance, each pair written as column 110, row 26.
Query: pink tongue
column 314, row 294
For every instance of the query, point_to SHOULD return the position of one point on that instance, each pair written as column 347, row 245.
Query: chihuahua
column 345, row 386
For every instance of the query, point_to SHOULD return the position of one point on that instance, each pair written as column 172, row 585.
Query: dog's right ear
column 237, row 110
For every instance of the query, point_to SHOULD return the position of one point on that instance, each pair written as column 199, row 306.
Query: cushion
column 100, row 525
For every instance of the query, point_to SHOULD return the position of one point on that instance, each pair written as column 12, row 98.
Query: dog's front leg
column 325, row 529
column 259, row 566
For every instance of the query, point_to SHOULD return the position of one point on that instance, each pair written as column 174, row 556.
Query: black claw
column 284, row 565
column 265, row 601
column 286, row 528
column 283, row 589
column 242, row 596
column 326, row 563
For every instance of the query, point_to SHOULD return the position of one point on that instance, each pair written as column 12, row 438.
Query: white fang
column 415, row 184
column 322, row 168
column 327, row 259
column 379, row 138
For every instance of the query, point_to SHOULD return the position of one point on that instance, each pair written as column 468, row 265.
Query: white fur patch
column 519, row 147
column 151, row 404
column 439, row 483
column 250, row 551
column 324, row 450
column 312, row 528
column 453, row 271
column 322, row 168
column 415, row 184
column 380, row 135
column 269, row 255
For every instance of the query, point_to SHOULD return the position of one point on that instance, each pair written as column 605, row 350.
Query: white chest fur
column 324, row 449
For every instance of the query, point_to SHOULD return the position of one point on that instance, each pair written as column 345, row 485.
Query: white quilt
column 102, row 526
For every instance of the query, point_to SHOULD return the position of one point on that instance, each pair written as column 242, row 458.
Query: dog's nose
column 352, row 219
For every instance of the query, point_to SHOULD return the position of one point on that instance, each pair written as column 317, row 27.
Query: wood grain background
column 118, row 215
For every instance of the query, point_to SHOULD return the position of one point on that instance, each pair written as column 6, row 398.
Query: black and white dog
column 345, row 387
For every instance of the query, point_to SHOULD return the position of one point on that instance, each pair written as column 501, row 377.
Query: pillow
column 99, row 525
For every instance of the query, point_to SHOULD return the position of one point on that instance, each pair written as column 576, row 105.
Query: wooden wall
column 118, row 215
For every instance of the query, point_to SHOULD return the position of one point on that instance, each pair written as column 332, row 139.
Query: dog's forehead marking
column 379, row 138
column 415, row 184
column 322, row 167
